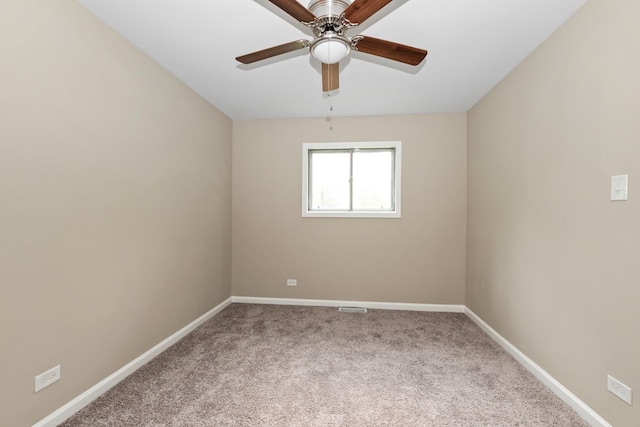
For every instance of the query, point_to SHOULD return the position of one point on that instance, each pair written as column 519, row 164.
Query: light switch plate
column 620, row 187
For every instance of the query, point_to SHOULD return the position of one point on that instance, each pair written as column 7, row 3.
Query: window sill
column 352, row 214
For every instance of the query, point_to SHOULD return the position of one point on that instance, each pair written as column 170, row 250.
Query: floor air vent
column 352, row 309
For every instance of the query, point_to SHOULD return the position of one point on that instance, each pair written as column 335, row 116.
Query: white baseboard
column 448, row 308
column 587, row 414
column 66, row 411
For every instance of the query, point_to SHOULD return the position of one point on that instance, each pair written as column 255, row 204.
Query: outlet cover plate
column 292, row 282
column 619, row 389
column 45, row 379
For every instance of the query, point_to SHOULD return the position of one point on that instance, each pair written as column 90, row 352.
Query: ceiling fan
column 330, row 20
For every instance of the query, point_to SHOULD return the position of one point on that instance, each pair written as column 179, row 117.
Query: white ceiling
column 472, row 45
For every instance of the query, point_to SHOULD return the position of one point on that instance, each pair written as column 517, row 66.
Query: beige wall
column 416, row 259
column 115, row 204
column 552, row 263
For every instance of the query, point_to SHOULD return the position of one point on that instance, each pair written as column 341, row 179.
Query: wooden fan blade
column 295, row 9
column 390, row 50
column 272, row 51
column 361, row 10
column 330, row 77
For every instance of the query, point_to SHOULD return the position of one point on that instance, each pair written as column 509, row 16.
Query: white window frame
column 306, row 147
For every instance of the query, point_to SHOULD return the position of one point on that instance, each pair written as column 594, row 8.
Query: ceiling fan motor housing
column 328, row 8
column 329, row 17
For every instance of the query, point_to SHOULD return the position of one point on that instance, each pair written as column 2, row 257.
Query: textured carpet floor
column 257, row 365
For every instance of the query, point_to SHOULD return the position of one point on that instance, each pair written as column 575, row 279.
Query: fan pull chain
column 329, row 119
column 330, row 99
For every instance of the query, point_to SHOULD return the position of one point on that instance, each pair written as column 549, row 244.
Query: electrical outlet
column 292, row 282
column 45, row 379
column 619, row 389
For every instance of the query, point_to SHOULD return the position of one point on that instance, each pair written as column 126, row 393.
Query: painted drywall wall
column 418, row 258
column 115, row 217
column 552, row 263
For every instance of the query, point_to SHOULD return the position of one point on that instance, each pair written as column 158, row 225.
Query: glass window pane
column 329, row 180
column 373, row 180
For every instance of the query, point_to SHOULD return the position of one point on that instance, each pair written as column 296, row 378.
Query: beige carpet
column 257, row 365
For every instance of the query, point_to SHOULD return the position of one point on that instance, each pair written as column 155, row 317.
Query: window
column 351, row 179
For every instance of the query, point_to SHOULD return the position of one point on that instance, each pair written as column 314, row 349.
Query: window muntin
column 351, row 179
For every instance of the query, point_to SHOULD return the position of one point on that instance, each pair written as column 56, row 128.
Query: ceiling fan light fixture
column 330, row 49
